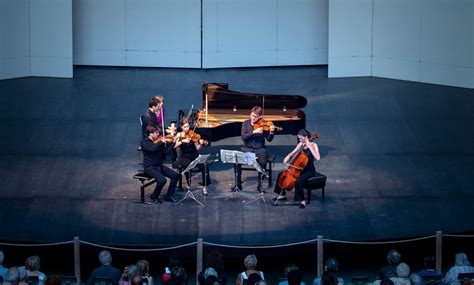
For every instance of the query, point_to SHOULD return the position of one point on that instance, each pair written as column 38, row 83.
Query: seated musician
column 153, row 146
column 254, row 141
column 152, row 114
column 308, row 147
column 189, row 145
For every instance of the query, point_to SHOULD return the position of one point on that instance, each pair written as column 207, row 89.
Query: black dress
column 188, row 154
column 308, row 172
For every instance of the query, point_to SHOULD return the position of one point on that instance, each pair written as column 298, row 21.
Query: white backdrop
column 427, row 41
column 36, row 38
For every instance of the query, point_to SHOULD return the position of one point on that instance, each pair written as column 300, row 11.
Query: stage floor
column 398, row 156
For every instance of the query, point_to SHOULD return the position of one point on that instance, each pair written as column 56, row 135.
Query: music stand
column 200, row 159
column 236, row 157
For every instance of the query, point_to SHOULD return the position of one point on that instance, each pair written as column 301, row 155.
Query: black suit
column 149, row 118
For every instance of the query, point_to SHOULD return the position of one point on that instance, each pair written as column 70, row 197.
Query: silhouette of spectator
column 393, row 259
column 461, row 265
column 106, row 270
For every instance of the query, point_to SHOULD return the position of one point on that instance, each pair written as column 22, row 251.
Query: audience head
column 174, row 261
column 132, row 271
column 212, row 280
column 386, row 281
column 254, row 278
column 214, row 259
column 261, row 282
column 329, row 278
column 403, row 270
column 178, row 275
column 332, row 264
column 250, row 261
column 430, row 262
column 105, row 257
column 13, row 276
column 295, row 277
column 394, row 257
column 461, row 259
column 143, row 267
column 210, row 272
column 32, row 263
column 290, row 267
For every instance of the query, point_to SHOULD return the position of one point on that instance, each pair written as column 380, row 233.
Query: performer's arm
column 290, row 155
column 313, row 147
column 149, row 146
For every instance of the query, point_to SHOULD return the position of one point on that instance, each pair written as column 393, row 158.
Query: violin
column 166, row 139
column 265, row 125
column 295, row 166
column 194, row 137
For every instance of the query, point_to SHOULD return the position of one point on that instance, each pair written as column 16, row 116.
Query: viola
column 295, row 166
column 194, row 137
column 265, row 125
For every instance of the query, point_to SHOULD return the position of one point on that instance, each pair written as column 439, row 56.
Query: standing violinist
column 254, row 141
column 153, row 146
column 308, row 147
column 152, row 115
column 189, row 144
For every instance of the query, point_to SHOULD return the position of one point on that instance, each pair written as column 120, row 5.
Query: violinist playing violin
column 254, row 138
column 189, row 143
column 153, row 146
column 300, row 160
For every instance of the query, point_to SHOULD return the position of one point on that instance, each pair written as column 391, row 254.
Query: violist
column 306, row 147
column 189, row 143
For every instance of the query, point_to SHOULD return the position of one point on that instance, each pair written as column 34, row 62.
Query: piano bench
column 268, row 168
column 146, row 180
column 316, row 182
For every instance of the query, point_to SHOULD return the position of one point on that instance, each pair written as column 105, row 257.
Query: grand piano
column 225, row 110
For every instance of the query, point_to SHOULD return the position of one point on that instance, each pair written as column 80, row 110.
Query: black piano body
column 225, row 110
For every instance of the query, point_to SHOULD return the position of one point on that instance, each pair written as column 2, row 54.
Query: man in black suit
column 149, row 118
column 153, row 152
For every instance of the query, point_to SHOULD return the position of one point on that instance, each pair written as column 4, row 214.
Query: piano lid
column 220, row 97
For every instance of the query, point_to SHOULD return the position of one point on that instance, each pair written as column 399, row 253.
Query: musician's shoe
column 303, row 204
column 157, row 200
column 153, row 196
column 204, row 192
column 170, row 199
column 279, row 198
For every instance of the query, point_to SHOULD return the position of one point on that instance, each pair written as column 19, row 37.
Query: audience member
column 215, row 261
column 32, row 266
column 12, row 276
column 144, row 271
column 295, row 277
column 3, row 270
column 333, row 266
column 430, row 267
column 393, row 259
column 129, row 272
column 178, row 276
column 461, row 265
column 252, row 279
column 174, row 261
column 288, row 269
column 386, row 281
column 106, row 270
column 415, row 279
column 403, row 271
column 250, row 263
column 329, row 278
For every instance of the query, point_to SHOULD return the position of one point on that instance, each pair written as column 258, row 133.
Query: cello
column 295, row 166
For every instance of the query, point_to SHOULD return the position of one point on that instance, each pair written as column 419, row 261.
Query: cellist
column 306, row 146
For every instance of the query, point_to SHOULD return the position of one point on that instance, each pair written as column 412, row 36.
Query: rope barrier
column 138, row 249
column 379, row 242
column 263, row 246
column 37, row 244
column 447, row 235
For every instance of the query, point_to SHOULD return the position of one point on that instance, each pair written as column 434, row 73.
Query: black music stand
column 200, row 159
column 236, row 157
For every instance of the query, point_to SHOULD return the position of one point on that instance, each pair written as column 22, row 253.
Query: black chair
column 316, row 182
column 432, row 279
column 268, row 168
column 68, row 280
column 465, row 276
column 32, row 280
column 103, row 281
column 146, row 180
column 360, row 279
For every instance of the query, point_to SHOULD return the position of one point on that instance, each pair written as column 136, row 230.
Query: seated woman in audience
column 461, row 265
column 215, row 261
column 333, row 266
column 250, row 263
column 403, row 272
column 143, row 270
column 289, row 268
column 32, row 265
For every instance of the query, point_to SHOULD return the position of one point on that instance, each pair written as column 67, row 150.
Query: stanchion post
column 77, row 259
column 199, row 249
column 439, row 250
column 320, row 261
